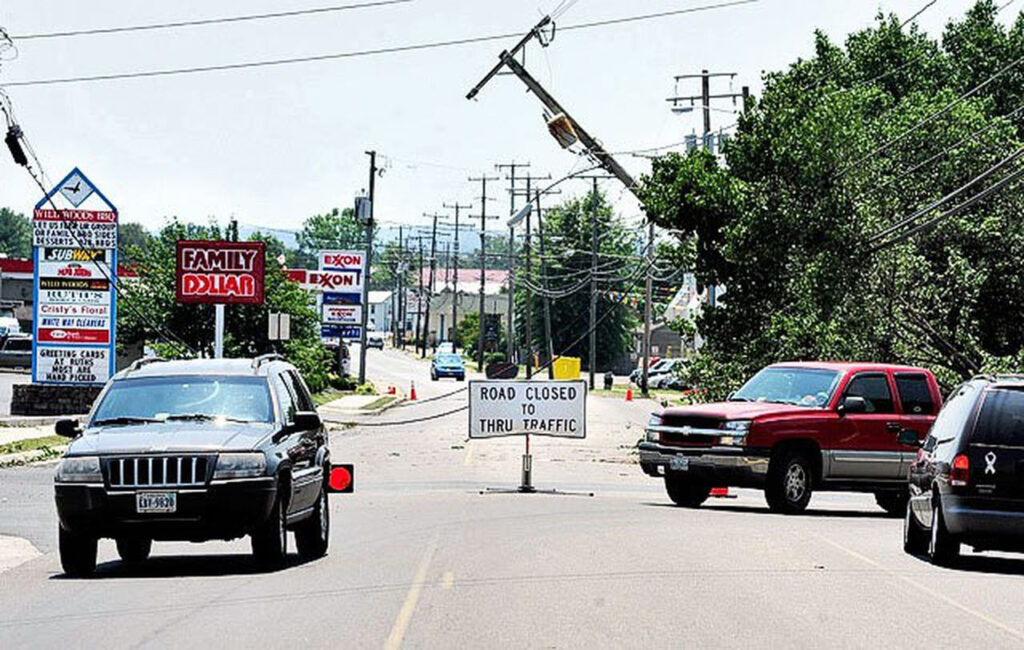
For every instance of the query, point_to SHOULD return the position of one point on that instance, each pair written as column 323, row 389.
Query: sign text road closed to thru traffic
column 510, row 408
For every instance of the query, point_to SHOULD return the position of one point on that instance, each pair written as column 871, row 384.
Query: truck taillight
column 960, row 471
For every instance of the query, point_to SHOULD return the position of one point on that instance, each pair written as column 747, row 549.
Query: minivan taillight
column 960, row 471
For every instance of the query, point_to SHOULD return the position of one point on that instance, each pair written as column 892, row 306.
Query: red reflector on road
column 340, row 479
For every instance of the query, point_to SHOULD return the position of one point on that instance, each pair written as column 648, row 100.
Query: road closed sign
column 511, row 408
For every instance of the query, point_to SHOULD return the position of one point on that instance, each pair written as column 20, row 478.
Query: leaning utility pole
column 366, row 272
column 512, row 166
column 483, row 264
column 455, row 267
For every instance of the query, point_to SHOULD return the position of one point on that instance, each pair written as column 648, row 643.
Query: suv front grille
column 694, row 421
column 157, row 471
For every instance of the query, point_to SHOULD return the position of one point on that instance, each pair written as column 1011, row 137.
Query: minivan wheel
column 789, row 485
column 894, row 502
column 77, row 554
column 313, row 535
column 133, row 550
column 270, row 539
column 915, row 537
column 943, row 548
column 685, row 492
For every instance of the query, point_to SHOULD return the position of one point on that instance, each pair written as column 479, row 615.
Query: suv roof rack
column 145, row 361
column 266, row 358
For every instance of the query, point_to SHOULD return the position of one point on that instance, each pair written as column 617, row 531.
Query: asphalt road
column 420, row 559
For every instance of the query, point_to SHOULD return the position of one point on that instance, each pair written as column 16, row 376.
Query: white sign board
column 72, row 365
column 509, row 408
column 343, row 314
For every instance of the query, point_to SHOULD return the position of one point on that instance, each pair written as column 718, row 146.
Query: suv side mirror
column 908, row 437
column 67, row 428
column 852, row 404
column 306, row 421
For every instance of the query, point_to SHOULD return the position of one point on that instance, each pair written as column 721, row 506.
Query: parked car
column 967, row 482
column 638, row 372
column 8, row 320
column 375, row 340
column 795, row 428
column 16, row 351
column 447, row 365
column 193, row 451
column 666, row 372
column 445, row 347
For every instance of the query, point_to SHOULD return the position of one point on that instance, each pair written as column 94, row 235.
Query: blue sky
column 272, row 146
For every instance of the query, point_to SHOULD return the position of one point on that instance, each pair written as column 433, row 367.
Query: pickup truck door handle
column 893, row 426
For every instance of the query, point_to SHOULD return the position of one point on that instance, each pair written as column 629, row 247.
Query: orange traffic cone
column 391, row 390
column 629, row 394
column 412, row 392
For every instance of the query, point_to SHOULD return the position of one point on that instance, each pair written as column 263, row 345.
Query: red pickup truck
column 794, row 428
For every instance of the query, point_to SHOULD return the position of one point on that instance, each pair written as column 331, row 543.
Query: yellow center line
column 925, row 589
column 409, row 606
column 447, row 580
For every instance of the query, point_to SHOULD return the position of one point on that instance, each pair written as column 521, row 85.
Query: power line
column 361, row 53
column 920, row 11
column 208, row 21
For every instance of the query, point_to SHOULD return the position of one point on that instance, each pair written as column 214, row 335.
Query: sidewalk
column 360, row 405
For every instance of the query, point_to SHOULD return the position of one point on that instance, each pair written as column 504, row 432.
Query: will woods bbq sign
column 220, row 272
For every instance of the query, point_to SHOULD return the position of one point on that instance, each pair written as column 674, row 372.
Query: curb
column 390, row 405
column 22, row 421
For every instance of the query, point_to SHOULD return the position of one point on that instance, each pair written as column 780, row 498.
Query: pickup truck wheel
column 313, row 535
column 915, row 538
column 789, row 485
column 133, row 550
column 893, row 502
column 270, row 539
column 684, row 492
column 77, row 554
column 943, row 548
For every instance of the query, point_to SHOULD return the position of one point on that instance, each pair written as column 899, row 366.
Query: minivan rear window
column 1001, row 419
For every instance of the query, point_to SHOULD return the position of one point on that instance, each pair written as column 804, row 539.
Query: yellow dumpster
column 567, row 367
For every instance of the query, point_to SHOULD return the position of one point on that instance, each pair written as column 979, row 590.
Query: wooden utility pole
column 510, row 329
column 547, row 298
column 455, row 273
column 430, row 284
column 483, row 180
column 366, row 271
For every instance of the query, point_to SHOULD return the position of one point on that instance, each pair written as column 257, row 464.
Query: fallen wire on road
column 426, row 418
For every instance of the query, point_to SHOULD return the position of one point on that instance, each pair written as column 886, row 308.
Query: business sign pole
column 74, row 253
column 221, row 273
column 501, row 408
column 341, row 279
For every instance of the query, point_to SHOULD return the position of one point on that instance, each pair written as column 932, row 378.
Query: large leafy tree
column 15, row 234
column 332, row 230
column 568, row 237
column 150, row 312
column 840, row 148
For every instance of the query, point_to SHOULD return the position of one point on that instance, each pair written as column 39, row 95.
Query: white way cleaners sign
column 508, row 408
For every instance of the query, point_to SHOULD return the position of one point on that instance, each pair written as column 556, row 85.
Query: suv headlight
column 735, row 432
column 240, row 465
column 79, row 469
column 653, row 421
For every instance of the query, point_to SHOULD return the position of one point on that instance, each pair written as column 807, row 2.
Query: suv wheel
column 915, row 538
column 943, row 548
column 685, row 492
column 133, row 550
column 313, row 535
column 270, row 539
column 893, row 502
column 789, row 486
column 77, row 554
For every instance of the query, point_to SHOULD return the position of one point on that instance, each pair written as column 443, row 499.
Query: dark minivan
column 967, row 483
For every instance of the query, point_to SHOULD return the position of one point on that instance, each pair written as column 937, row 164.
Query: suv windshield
column 1001, row 419
column 799, row 386
column 159, row 398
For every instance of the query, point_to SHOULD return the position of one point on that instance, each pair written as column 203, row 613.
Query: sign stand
column 218, row 331
column 526, row 487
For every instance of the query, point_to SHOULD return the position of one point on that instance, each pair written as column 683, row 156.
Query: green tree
column 333, row 230
column 841, row 147
column 153, row 311
column 15, row 234
column 568, row 238
column 132, row 239
column 467, row 334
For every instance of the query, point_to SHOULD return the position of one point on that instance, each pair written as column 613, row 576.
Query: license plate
column 679, row 464
column 156, row 502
